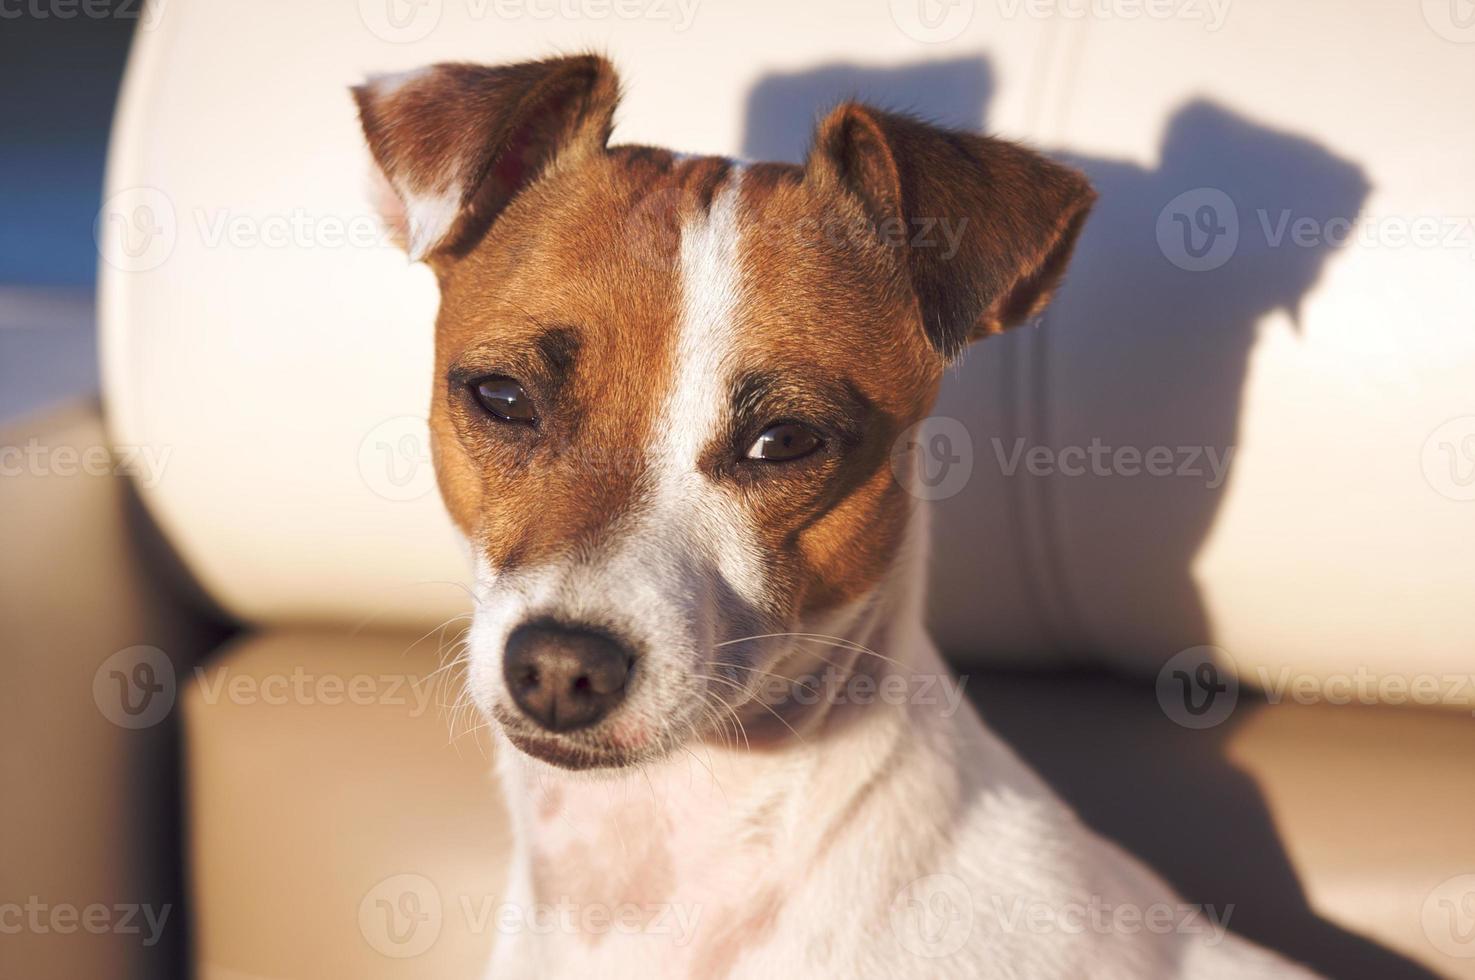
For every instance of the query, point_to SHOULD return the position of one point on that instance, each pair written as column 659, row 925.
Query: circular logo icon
column 1195, row 690
column 400, row 21
column 394, row 459
column 135, row 230
column 1453, row 20
column 401, row 916
column 933, row 460
column 134, row 688
column 933, row 916
column 932, row 21
column 1449, row 458
column 1449, row 916
column 1199, row 229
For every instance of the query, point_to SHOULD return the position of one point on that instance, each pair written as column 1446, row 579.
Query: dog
column 671, row 419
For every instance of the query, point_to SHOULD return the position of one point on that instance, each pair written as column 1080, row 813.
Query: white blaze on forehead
column 706, row 335
column 697, row 410
column 650, row 583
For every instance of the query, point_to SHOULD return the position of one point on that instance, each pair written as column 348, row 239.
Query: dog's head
column 669, row 390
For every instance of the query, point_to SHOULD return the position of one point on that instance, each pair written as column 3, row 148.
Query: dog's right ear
column 454, row 143
column 1015, row 215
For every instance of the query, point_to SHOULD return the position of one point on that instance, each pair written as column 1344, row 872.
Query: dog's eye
column 505, row 398
column 783, row 442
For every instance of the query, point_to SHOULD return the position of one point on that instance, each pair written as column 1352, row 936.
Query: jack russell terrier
column 672, row 398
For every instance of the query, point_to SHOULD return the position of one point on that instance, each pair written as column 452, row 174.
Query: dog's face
column 670, row 391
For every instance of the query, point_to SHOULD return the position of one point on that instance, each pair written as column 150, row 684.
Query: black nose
column 564, row 677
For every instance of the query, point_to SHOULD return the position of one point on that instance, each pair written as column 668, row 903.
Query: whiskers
column 453, row 694
column 822, row 638
column 388, row 609
column 755, row 675
column 750, row 699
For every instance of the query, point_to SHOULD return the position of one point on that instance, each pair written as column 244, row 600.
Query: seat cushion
column 1319, row 332
column 338, row 828
column 88, row 759
column 1342, row 835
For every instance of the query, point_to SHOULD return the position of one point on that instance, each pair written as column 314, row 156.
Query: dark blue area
column 60, row 81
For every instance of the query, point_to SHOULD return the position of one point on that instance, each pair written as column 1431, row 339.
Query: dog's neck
column 724, row 817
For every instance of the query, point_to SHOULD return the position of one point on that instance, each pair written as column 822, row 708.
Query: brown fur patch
column 828, row 314
column 591, row 252
column 1009, row 217
column 562, row 269
column 484, row 132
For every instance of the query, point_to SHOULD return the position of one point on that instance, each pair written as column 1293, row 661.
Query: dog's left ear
column 455, row 143
column 985, row 227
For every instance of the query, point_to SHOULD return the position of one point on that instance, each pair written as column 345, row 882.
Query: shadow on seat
column 1168, row 339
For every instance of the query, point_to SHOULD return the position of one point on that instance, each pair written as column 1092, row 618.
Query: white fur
column 656, row 580
column 847, row 825
column 420, row 216
column 430, row 217
column 700, row 399
column 388, row 83
column 864, row 817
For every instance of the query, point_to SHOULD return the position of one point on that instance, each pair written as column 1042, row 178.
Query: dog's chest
column 691, row 876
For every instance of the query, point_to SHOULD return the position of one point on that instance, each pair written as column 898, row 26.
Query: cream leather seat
column 1254, row 291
